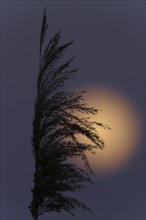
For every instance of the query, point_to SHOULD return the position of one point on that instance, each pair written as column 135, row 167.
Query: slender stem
column 36, row 182
column 36, row 218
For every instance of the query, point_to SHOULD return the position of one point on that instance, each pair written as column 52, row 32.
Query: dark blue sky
column 110, row 50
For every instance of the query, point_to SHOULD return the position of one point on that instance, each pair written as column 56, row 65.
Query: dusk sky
column 109, row 45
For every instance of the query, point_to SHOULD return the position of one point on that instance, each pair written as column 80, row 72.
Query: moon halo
column 122, row 140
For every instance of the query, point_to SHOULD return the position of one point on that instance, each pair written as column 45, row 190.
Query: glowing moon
column 120, row 142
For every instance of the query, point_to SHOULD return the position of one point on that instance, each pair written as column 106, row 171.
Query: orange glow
column 120, row 142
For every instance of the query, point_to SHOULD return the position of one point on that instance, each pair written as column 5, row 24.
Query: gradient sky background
column 110, row 49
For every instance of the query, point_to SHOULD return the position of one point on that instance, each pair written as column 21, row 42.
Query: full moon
column 121, row 141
